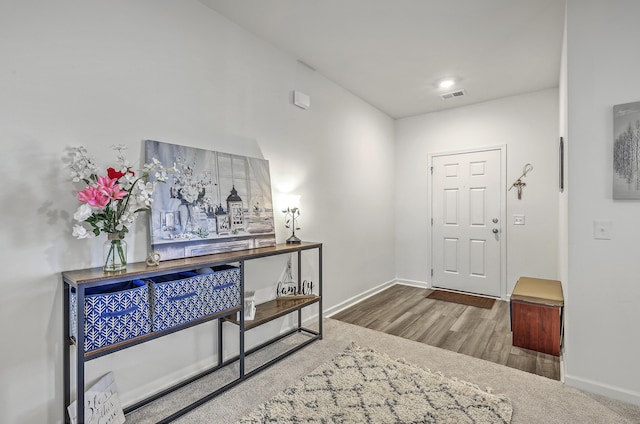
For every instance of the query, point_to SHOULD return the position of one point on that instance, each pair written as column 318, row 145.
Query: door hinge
column 432, row 272
column 432, row 170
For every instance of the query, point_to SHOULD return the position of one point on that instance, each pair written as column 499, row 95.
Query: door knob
column 495, row 231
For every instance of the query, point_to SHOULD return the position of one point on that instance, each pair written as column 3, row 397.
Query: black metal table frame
column 82, row 358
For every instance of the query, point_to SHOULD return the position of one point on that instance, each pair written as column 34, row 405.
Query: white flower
column 83, row 212
column 122, row 160
column 81, row 166
column 161, row 175
column 127, row 218
column 129, row 178
column 190, row 193
column 145, row 200
column 145, row 190
column 80, row 232
column 134, row 192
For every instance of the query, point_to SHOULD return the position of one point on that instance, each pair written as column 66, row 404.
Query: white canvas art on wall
column 215, row 202
column 626, row 151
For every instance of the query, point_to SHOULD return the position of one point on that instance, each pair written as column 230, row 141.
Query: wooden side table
column 536, row 315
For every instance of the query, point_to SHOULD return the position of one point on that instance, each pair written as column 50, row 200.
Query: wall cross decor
column 519, row 184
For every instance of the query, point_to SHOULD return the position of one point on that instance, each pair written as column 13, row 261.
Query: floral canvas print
column 213, row 202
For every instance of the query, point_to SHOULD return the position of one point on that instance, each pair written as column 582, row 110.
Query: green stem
column 123, row 259
column 109, row 263
column 110, row 260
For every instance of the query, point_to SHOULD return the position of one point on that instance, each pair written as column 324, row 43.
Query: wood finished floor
column 405, row 311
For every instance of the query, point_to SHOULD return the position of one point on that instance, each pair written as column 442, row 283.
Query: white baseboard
column 413, row 283
column 356, row 299
column 602, row 389
column 562, row 366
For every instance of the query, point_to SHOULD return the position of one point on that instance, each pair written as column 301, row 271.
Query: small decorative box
column 112, row 313
column 187, row 296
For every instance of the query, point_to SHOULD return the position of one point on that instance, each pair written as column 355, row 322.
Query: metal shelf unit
column 81, row 280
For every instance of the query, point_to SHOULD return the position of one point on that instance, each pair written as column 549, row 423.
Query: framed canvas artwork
column 626, row 151
column 215, row 202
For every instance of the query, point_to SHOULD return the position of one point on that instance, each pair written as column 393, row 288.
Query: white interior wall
column 119, row 72
column 101, row 73
column 528, row 126
column 601, row 343
column 563, row 210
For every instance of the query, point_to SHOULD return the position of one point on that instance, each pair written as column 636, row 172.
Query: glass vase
column 189, row 226
column 115, row 253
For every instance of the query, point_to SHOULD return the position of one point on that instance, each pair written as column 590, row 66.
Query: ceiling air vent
column 451, row 95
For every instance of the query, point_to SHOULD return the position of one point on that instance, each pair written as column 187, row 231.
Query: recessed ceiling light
column 446, row 83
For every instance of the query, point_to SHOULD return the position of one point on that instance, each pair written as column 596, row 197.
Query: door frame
column 503, row 211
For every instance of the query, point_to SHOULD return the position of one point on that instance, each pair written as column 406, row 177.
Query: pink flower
column 109, row 204
column 110, row 188
column 101, row 193
column 94, row 197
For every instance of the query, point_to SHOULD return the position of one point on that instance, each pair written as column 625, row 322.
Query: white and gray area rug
column 361, row 385
column 534, row 399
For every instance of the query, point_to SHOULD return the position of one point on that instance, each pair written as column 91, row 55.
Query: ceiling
column 392, row 53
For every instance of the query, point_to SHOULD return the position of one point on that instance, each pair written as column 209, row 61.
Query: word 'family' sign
column 290, row 289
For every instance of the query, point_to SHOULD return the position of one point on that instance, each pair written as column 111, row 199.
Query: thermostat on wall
column 301, row 100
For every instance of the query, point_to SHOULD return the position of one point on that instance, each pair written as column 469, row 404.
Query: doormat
column 364, row 386
column 463, row 299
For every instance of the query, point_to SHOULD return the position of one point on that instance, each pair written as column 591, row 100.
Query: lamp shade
column 289, row 201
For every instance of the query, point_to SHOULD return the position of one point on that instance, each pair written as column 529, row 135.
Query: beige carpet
column 361, row 385
column 534, row 399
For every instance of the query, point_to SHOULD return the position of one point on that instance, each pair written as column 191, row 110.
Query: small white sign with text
column 101, row 404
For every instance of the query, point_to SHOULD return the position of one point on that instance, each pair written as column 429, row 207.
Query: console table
column 81, row 280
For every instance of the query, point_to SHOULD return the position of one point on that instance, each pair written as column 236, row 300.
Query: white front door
column 466, row 225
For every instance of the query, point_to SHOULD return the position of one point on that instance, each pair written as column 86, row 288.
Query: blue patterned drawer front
column 113, row 313
column 181, row 298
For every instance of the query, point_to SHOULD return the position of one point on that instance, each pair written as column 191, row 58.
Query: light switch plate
column 602, row 230
column 518, row 219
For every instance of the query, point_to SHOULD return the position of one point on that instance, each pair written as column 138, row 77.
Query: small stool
column 536, row 315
